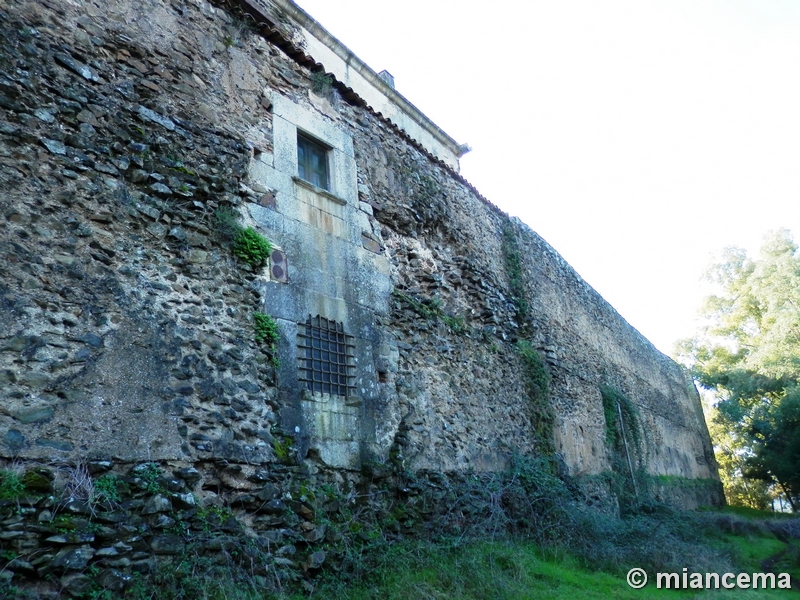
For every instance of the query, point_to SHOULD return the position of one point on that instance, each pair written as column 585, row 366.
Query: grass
column 479, row 571
column 11, row 486
column 507, row 571
column 754, row 513
column 490, row 571
column 474, row 570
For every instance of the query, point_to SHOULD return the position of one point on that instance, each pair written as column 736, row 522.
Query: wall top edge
column 371, row 78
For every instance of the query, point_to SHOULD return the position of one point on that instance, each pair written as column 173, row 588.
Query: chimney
column 387, row 77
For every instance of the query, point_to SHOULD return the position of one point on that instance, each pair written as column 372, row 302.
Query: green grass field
column 485, row 571
column 521, row 570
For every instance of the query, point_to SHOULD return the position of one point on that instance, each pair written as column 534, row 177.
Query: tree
column 749, row 354
column 732, row 461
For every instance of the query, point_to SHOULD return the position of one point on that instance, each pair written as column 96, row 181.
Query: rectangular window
column 312, row 161
column 326, row 357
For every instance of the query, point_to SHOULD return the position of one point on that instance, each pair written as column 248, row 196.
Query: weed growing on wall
column 11, row 486
column 320, row 83
column 627, row 479
column 147, row 476
column 612, row 398
column 251, row 247
column 537, row 380
column 266, row 329
column 106, row 488
column 226, row 223
column 246, row 243
column 266, row 332
column 431, row 309
column 282, row 445
column 513, row 262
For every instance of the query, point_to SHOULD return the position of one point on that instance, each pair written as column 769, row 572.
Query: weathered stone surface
column 167, row 544
column 184, row 501
column 157, row 504
column 154, row 117
column 71, row 538
column 38, row 480
column 268, row 492
column 315, row 560
column 35, row 413
column 76, row 584
column 54, row 146
column 76, row 66
column 126, row 323
column 73, row 559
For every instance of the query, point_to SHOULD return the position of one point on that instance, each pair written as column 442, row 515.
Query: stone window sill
column 319, row 190
column 326, row 398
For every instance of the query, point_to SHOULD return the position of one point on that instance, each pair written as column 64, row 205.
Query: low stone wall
column 81, row 530
column 75, row 530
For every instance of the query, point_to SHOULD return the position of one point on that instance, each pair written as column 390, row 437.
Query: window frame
column 312, row 147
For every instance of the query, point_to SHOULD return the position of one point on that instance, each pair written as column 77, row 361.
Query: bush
column 252, row 247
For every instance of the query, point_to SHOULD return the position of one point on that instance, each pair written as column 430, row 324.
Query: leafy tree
column 732, row 461
column 749, row 354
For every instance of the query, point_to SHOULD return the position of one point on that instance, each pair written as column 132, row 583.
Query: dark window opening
column 312, row 161
column 326, row 357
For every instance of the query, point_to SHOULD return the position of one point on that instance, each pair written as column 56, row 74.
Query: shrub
column 252, row 247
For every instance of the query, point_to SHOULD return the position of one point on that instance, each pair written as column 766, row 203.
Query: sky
column 638, row 137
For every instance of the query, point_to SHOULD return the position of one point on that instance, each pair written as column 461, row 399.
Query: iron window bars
column 326, row 357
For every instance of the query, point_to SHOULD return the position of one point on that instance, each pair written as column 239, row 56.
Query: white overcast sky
column 639, row 137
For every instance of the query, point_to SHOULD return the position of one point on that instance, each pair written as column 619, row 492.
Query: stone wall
column 127, row 323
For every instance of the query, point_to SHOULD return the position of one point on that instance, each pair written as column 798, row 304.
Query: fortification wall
column 126, row 325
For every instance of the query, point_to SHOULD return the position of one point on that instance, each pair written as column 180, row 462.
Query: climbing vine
column 513, row 263
column 630, row 418
column 627, row 478
column 537, row 381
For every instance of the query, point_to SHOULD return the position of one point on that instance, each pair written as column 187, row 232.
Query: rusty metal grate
column 326, row 357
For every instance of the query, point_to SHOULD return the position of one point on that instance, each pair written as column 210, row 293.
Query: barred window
column 326, row 357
